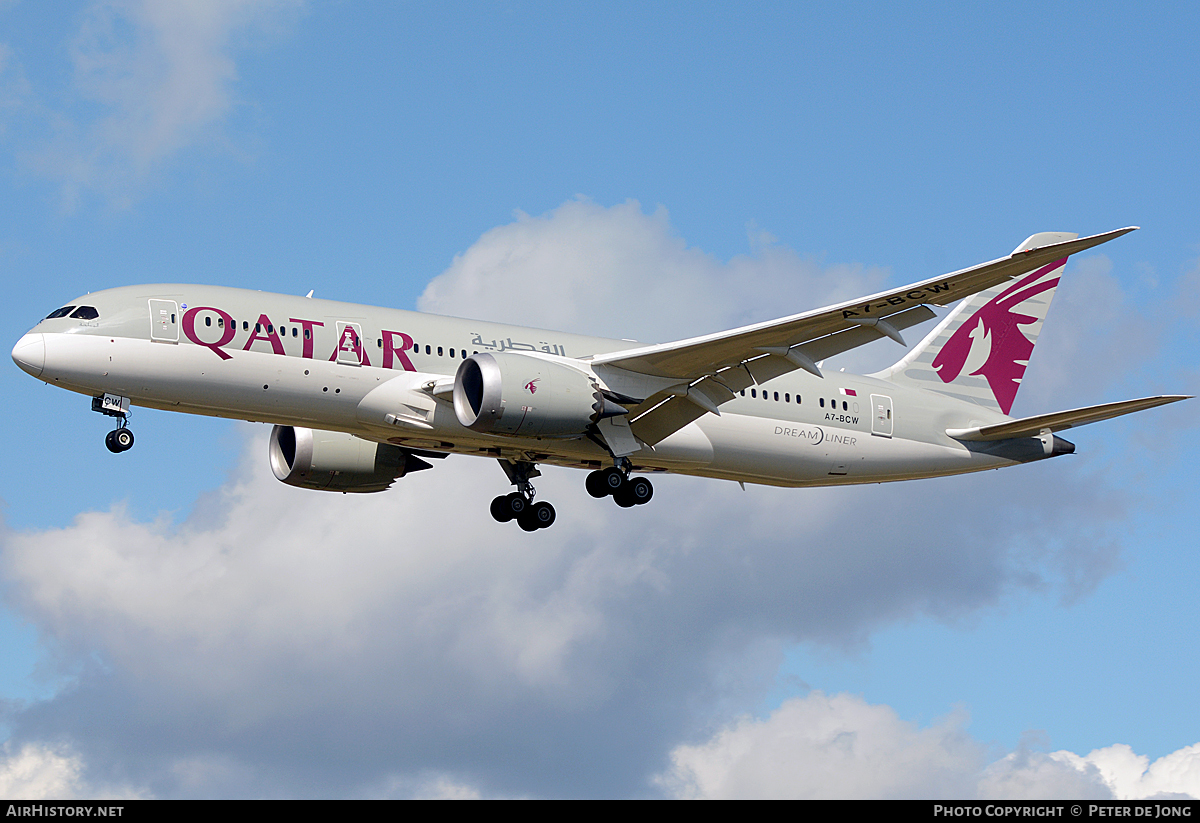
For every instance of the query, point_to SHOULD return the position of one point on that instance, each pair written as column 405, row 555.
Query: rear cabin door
column 164, row 321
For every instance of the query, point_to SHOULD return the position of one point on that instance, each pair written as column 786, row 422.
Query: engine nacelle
column 524, row 396
column 336, row 461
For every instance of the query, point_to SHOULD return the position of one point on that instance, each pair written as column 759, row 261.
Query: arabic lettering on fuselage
column 509, row 345
column 395, row 346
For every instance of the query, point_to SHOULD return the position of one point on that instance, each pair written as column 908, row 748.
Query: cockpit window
column 63, row 312
column 85, row 313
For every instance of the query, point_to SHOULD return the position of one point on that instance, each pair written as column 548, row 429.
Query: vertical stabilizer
column 980, row 350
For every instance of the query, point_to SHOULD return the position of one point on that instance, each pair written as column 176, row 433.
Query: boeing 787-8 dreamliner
column 360, row 396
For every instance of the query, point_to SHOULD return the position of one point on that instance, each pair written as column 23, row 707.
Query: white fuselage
column 281, row 359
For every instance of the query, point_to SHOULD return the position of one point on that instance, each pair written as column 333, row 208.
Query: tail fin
column 979, row 351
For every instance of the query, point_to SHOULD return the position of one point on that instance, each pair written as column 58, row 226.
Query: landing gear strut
column 119, row 439
column 626, row 491
column 519, row 505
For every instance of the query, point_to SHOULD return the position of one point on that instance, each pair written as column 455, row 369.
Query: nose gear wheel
column 119, row 440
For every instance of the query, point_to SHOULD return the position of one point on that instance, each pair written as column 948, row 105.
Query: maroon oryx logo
column 991, row 342
column 531, row 386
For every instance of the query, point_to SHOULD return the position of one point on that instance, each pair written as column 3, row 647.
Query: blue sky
column 747, row 164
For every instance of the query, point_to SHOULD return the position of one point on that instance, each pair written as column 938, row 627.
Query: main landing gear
column 626, row 491
column 519, row 505
column 119, row 439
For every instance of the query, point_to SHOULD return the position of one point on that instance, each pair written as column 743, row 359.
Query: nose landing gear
column 119, row 439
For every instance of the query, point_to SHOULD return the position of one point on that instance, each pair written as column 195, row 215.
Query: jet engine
column 335, row 461
column 523, row 396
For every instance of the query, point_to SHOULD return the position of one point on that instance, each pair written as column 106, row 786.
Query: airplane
column 360, row 396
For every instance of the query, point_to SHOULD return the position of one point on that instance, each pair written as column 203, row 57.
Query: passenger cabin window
column 63, row 312
column 822, row 402
column 85, row 313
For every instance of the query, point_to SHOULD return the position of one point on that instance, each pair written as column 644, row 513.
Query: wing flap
column 1063, row 420
column 703, row 397
column 665, row 419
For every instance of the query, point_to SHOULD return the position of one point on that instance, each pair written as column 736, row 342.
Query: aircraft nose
column 30, row 353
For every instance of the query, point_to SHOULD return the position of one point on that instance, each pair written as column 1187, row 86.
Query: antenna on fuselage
column 310, row 293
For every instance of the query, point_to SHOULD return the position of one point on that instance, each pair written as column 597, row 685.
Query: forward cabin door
column 350, row 346
column 164, row 321
column 881, row 415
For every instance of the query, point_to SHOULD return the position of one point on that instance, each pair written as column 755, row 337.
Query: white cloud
column 293, row 642
column 424, row 786
column 1133, row 777
column 618, row 271
column 38, row 772
column 839, row 746
column 154, row 77
column 826, row 746
column 43, row 772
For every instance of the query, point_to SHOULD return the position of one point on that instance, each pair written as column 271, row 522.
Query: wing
column 675, row 383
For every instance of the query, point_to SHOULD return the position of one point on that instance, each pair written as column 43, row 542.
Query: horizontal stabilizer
column 1060, row 421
